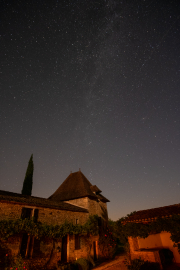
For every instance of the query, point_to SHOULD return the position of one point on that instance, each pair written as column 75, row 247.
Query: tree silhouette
column 28, row 180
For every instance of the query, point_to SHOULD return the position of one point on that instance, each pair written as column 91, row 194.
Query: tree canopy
column 28, row 180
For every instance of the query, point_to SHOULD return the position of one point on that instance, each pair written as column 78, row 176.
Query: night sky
column 92, row 85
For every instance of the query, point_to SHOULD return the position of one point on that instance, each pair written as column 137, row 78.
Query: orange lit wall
column 160, row 240
column 152, row 241
column 167, row 243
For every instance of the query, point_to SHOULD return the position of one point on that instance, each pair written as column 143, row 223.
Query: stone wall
column 94, row 207
column 45, row 215
column 54, row 216
column 48, row 252
column 97, row 208
column 10, row 211
column 86, row 247
column 10, row 247
column 41, row 250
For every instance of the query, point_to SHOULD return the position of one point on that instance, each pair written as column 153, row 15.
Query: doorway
column 64, row 249
column 95, row 251
column 24, row 245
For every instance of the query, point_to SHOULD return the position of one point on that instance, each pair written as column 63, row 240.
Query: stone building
column 73, row 201
column 152, row 247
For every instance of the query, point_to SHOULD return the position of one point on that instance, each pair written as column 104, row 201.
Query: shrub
column 82, row 263
column 139, row 264
column 107, row 243
column 91, row 261
column 17, row 263
column 135, row 264
column 150, row 266
column 67, row 266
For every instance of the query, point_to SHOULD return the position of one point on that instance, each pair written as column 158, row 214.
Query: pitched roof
column 15, row 198
column 95, row 189
column 151, row 214
column 102, row 198
column 76, row 185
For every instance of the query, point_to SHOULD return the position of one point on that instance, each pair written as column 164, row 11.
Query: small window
column 77, row 221
column 77, row 241
column 29, row 213
column 99, row 221
column 26, row 213
column 36, row 211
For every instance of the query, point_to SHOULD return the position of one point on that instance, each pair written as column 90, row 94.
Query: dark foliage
column 169, row 224
column 139, row 264
column 150, row 266
column 82, row 264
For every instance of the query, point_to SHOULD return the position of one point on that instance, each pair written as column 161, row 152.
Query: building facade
column 74, row 201
column 155, row 245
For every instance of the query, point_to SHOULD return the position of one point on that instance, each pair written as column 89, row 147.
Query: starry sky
column 92, row 85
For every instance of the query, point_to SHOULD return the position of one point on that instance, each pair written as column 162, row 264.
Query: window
column 77, row 221
column 99, row 221
column 26, row 213
column 77, row 241
column 36, row 211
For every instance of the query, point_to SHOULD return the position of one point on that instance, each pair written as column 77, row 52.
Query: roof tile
column 76, row 185
column 153, row 213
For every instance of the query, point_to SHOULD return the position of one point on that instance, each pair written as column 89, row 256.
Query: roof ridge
column 176, row 204
column 82, row 175
column 153, row 213
column 38, row 201
column 76, row 185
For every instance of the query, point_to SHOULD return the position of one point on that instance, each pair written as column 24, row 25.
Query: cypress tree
column 28, row 180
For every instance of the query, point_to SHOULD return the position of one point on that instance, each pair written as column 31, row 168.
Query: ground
column 115, row 264
column 118, row 264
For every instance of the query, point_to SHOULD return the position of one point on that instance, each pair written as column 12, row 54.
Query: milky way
column 92, row 85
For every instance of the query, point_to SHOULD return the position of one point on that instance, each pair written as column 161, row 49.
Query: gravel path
column 116, row 264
